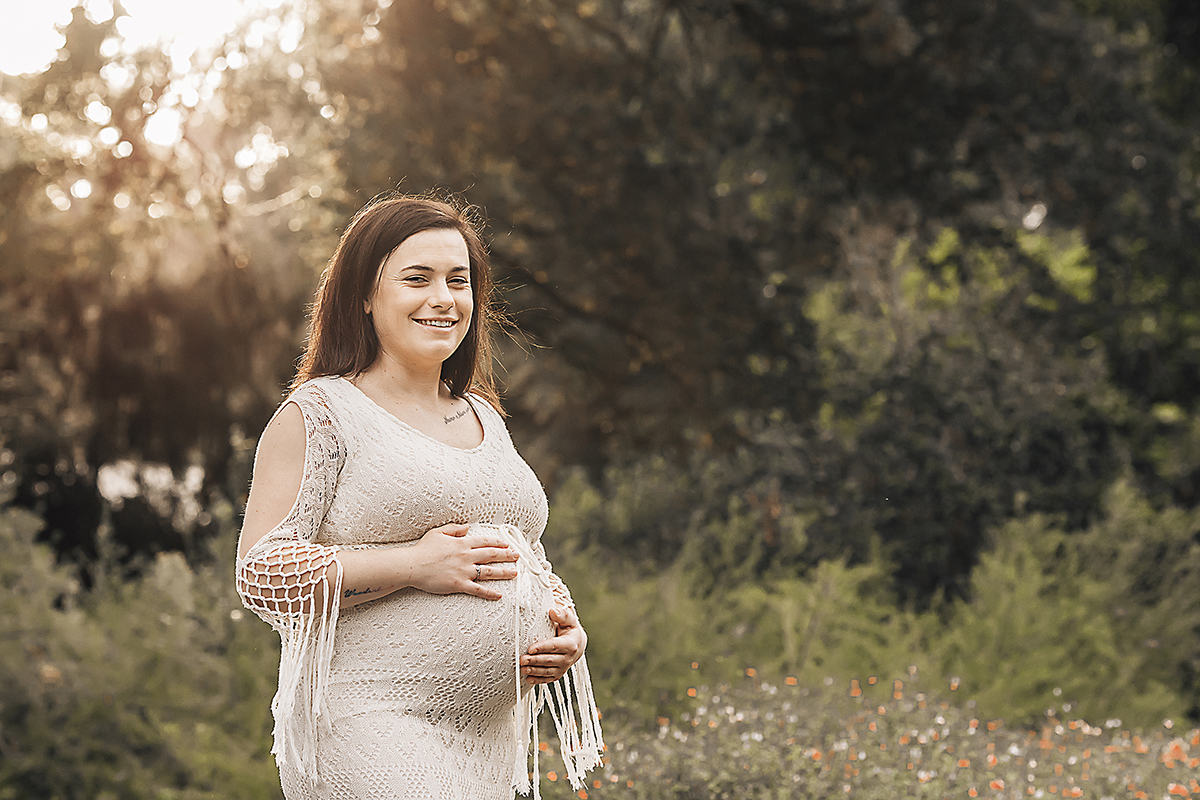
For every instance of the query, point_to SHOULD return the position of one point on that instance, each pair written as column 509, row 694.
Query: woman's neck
column 422, row 388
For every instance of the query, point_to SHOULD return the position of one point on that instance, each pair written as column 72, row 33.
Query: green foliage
column 1103, row 618
column 950, row 407
column 1148, row 559
column 1038, row 628
column 157, row 688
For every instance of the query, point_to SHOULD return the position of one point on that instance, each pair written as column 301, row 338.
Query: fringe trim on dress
column 570, row 699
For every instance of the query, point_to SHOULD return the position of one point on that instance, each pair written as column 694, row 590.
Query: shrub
column 156, row 688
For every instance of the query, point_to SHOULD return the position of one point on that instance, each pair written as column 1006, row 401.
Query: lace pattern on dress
column 294, row 584
column 379, row 686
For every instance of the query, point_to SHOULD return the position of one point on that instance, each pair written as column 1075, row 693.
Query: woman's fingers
column 495, row 572
column 454, row 560
column 482, row 590
column 549, row 660
column 494, row 555
column 546, row 668
column 453, row 529
column 564, row 617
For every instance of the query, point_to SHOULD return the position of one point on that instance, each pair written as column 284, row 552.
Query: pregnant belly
column 441, row 657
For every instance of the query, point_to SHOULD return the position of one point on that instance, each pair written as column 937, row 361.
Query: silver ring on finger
column 478, row 571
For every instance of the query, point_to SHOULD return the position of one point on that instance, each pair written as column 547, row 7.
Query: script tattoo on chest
column 459, row 415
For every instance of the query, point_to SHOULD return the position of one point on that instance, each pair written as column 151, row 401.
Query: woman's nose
column 441, row 296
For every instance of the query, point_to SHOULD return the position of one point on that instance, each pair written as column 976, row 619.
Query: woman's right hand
column 452, row 560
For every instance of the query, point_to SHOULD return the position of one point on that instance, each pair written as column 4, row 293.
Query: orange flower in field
column 1195, row 786
column 1176, row 751
column 1140, row 795
column 1179, row 789
column 963, row 763
column 992, row 760
column 1074, row 791
column 996, row 784
column 972, row 793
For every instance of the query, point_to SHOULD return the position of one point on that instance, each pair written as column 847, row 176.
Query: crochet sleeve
column 294, row 584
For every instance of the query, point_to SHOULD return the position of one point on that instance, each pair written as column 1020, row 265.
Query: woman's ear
column 367, row 306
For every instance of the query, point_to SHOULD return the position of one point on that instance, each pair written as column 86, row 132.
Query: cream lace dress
column 411, row 695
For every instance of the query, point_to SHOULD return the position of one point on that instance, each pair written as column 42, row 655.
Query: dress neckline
column 418, row 432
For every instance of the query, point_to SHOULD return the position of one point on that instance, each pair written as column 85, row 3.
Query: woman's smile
column 426, row 281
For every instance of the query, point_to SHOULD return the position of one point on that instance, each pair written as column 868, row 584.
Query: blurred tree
column 676, row 191
column 667, row 184
column 128, row 296
column 665, row 181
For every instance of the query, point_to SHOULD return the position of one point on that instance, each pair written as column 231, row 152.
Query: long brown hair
column 341, row 337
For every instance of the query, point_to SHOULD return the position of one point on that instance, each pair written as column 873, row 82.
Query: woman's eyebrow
column 424, row 268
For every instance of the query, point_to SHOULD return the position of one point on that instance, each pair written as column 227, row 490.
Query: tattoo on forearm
column 356, row 592
column 459, row 415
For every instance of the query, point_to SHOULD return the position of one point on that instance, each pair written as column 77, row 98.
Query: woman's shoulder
column 486, row 406
column 490, row 416
column 308, row 419
column 320, row 388
column 318, row 398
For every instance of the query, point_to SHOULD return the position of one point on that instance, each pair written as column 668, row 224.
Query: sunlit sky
column 29, row 42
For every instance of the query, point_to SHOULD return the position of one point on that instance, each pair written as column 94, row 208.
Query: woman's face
column 422, row 302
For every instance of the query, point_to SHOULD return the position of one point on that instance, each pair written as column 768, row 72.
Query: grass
column 877, row 739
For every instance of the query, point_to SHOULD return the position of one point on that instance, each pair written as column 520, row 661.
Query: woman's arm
column 281, row 571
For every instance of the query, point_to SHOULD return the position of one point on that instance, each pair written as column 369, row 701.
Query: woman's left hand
column 549, row 660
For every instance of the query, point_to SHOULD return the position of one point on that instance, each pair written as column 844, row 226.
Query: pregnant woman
column 392, row 538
